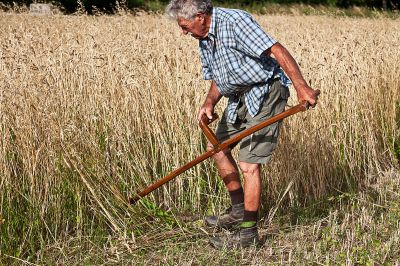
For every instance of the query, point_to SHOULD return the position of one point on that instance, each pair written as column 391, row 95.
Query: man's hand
column 306, row 93
column 207, row 109
column 212, row 99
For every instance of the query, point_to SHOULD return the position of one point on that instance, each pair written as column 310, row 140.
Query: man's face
column 196, row 27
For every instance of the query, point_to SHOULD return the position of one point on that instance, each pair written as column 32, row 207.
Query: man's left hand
column 306, row 93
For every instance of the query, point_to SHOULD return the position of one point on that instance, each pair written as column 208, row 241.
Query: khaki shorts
column 258, row 147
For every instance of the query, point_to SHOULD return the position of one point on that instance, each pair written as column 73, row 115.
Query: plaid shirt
column 233, row 56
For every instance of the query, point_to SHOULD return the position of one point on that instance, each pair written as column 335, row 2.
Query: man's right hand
column 212, row 99
column 207, row 109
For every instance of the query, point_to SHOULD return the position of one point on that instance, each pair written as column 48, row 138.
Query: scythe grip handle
column 203, row 124
column 206, row 121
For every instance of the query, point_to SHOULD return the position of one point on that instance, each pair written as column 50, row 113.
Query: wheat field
column 95, row 108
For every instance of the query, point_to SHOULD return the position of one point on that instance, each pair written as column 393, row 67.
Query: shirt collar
column 211, row 31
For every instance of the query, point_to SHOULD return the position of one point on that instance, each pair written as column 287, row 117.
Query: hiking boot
column 231, row 217
column 245, row 237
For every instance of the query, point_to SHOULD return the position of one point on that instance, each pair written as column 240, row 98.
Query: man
column 248, row 66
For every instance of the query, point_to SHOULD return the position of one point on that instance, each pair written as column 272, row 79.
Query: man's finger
column 209, row 114
column 314, row 104
column 316, row 93
column 201, row 113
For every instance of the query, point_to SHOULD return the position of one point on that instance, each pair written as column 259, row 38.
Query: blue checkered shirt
column 233, row 56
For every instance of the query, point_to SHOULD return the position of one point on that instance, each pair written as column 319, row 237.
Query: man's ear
column 200, row 17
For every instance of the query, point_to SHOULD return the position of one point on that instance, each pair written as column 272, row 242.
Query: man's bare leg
column 248, row 234
column 229, row 173
column 252, row 190
column 228, row 169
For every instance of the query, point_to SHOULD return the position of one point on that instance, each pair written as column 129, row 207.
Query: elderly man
column 248, row 66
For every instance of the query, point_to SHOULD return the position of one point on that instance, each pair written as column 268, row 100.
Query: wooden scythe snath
column 217, row 147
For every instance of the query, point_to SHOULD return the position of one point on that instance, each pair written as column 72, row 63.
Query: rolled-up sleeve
column 207, row 74
column 252, row 39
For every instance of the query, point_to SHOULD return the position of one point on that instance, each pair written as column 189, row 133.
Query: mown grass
column 360, row 228
column 93, row 109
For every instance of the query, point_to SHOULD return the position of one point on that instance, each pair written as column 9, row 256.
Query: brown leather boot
column 245, row 237
column 230, row 218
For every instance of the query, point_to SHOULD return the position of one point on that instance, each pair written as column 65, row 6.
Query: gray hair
column 188, row 9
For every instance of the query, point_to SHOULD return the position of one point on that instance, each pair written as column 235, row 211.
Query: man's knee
column 219, row 155
column 250, row 168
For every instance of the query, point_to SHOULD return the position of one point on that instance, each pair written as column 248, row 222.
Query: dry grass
column 94, row 108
